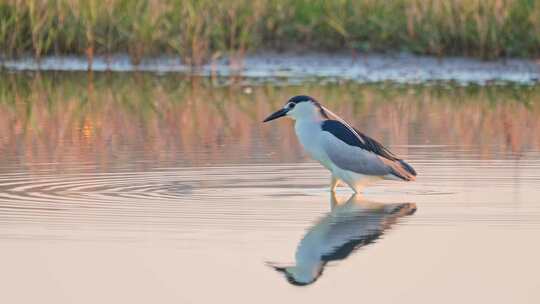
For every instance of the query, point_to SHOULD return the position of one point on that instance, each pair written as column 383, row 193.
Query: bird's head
column 300, row 107
column 299, row 276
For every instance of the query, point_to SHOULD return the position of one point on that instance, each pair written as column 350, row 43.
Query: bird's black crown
column 301, row 98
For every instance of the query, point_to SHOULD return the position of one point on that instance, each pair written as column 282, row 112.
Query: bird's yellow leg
column 333, row 200
column 334, row 183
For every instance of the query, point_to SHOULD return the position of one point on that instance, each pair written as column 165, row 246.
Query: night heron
column 350, row 155
column 348, row 227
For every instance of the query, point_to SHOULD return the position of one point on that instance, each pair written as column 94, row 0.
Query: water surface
column 145, row 188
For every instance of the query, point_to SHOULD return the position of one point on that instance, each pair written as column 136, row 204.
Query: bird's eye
column 290, row 105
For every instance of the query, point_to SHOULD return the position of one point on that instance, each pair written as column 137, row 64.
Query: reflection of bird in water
column 349, row 226
column 350, row 155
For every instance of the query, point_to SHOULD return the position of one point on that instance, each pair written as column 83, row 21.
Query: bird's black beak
column 276, row 268
column 277, row 114
column 280, row 269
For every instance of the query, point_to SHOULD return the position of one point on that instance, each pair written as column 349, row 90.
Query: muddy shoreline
column 400, row 68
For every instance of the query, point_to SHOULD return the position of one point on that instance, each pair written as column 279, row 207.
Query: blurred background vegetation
column 199, row 30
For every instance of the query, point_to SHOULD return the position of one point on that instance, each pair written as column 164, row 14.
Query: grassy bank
column 198, row 30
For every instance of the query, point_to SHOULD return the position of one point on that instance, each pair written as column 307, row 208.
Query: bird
column 348, row 227
column 351, row 156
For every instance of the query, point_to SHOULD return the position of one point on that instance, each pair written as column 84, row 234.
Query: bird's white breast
column 309, row 135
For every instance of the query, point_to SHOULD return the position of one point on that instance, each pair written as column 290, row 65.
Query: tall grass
column 198, row 30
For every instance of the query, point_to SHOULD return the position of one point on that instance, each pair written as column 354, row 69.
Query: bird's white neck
column 306, row 129
column 308, row 132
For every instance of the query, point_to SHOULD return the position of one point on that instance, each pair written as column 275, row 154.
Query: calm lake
column 161, row 188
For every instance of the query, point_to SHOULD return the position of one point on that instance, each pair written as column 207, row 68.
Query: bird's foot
column 358, row 189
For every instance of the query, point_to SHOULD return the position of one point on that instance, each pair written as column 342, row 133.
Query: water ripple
column 210, row 200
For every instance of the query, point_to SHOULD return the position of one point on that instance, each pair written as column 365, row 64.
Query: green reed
column 199, row 30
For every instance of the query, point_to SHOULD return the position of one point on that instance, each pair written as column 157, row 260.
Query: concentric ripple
column 176, row 200
column 262, row 197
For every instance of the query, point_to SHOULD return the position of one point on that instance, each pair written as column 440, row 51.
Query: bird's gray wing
column 352, row 158
column 360, row 153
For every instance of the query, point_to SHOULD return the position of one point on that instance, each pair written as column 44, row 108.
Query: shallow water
column 144, row 188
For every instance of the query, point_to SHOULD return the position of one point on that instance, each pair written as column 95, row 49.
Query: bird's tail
column 400, row 169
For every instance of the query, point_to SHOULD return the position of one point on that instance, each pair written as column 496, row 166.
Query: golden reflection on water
column 117, row 119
